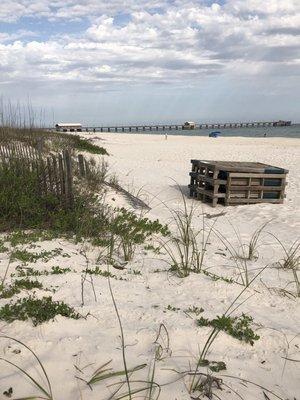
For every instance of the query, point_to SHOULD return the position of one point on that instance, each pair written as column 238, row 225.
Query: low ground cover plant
column 19, row 237
column 194, row 310
column 17, row 286
column 29, row 271
column 36, row 310
column 81, row 144
column 99, row 271
column 27, row 256
column 3, row 248
column 237, row 327
column 216, row 277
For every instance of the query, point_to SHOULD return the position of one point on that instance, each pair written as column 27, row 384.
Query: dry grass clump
column 186, row 246
column 242, row 252
column 290, row 260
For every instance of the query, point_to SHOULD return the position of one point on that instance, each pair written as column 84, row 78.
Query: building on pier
column 282, row 123
column 70, row 127
column 189, row 125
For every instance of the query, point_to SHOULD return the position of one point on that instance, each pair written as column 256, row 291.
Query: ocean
column 292, row 131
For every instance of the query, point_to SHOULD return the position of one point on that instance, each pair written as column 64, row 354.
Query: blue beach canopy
column 214, row 134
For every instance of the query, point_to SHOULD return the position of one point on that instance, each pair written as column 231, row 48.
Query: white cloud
column 182, row 43
column 12, row 10
column 19, row 34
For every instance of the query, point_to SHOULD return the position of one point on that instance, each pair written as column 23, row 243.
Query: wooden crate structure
column 233, row 183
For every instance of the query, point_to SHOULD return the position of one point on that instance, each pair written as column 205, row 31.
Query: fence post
column 61, row 177
column 68, row 178
column 82, row 171
column 55, row 175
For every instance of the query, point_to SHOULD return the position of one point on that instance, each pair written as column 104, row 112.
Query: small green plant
column 24, row 237
column 155, row 249
column 3, row 248
column 26, row 256
column 237, row 327
column 99, row 271
column 9, row 392
column 196, row 374
column 194, row 310
column 57, row 270
column 134, row 272
column 28, row 271
column 172, row 308
column 37, row 310
column 215, row 366
column 131, row 230
column 215, row 277
column 17, row 286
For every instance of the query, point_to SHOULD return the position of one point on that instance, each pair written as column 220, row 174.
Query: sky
column 141, row 61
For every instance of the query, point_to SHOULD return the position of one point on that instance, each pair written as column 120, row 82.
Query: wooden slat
column 255, row 188
column 253, row 201
column 251, row 175
column 210, row 193
column 196, row 175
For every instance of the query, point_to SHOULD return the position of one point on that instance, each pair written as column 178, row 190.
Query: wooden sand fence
column 55, row 172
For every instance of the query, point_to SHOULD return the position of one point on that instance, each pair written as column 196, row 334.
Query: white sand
column 154, row 164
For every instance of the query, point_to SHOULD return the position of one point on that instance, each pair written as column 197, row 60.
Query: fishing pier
column 168, row 127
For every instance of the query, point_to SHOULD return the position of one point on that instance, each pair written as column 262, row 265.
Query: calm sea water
column 292, row 131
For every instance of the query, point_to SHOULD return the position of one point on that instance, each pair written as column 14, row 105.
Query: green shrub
column 20, row 201
column 37, row 310
column 23, row 207
column 85, row 145
column 48, row 141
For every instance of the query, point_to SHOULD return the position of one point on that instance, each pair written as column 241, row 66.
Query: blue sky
column 152, row 60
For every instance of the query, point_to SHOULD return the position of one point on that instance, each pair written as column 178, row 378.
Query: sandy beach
column 155, row 169
column 157, row 166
